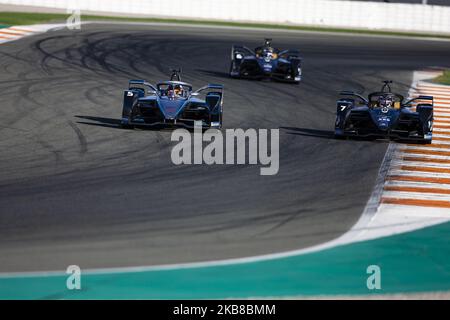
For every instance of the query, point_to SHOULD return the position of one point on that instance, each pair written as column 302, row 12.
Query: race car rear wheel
column 339, row 136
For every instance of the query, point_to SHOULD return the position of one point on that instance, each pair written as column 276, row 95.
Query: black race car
column 172, row 103
column 384, row 114
column 266, row 62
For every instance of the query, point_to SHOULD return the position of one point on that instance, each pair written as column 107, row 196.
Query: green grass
column 444, row 78
column 23, row 18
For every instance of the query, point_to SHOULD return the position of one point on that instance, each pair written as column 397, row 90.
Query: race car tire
column 126, row 126
column 233, row 74
column 338, row 134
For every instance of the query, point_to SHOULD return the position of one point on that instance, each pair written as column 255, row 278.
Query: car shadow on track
column 116, row 124
column 100, row 121
column 326, row 134
column 218, row 74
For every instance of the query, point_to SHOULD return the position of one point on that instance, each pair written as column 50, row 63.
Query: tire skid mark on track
column 48, row 56
column 80, row 136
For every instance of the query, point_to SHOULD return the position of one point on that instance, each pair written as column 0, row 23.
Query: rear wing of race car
column 354, row 94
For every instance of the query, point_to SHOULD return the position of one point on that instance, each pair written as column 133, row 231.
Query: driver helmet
column 178, row 90
column 268, row 54
column 386, row 102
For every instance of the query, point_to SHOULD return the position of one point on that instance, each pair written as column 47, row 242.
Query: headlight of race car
column 239, row 56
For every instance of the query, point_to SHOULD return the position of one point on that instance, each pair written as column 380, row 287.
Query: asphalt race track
column 77, row 189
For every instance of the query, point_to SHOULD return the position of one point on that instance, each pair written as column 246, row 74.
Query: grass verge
column 444, row 78
column 25, row 18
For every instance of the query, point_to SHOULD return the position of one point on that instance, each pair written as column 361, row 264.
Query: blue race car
column 172, row 103
column 266, row 62
column 384, row 115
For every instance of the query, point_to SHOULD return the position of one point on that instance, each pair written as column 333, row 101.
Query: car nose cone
column 384, row 125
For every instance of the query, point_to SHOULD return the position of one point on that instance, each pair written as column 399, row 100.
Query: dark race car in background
column 266, row 62
column 172, row 103
column 384, row 114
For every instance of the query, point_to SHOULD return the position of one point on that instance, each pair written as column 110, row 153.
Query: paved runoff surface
column 77, row 189
column 414, row 264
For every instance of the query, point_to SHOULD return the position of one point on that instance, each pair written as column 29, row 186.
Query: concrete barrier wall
column 326, row 13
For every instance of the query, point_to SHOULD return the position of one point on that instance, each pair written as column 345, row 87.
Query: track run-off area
column 77, row 189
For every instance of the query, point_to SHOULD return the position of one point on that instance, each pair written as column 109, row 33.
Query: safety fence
column 325, row 13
